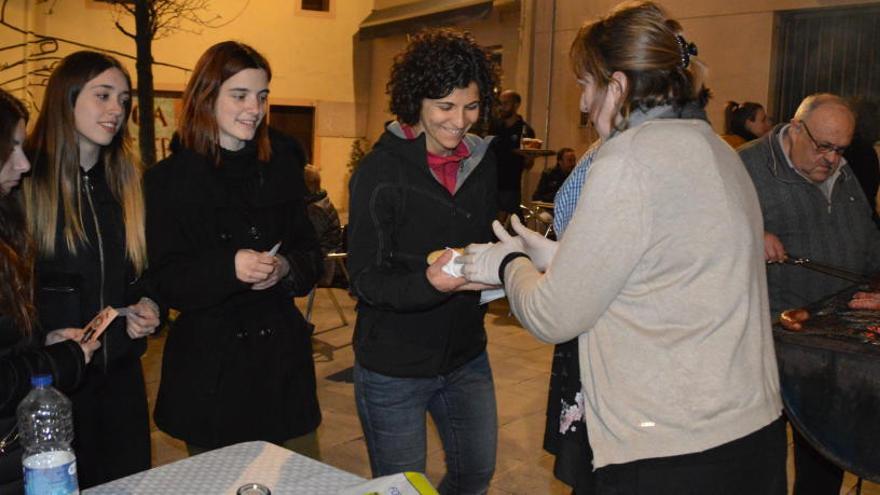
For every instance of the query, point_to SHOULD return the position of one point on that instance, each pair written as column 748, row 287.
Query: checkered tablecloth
column 222, row 471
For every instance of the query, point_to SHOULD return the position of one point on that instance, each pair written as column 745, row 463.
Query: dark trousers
column 111, row 425
column 813, row 473
column 754, row 465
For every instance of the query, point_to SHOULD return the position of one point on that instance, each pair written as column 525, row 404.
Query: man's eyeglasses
column 823, row 148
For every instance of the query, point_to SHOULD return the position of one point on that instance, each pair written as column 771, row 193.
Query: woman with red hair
column 229, row 243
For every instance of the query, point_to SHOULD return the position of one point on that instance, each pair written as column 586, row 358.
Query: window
column 835, row 50
column 316, row 5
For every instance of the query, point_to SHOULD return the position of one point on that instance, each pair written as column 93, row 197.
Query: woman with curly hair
column 420, row 344
column 659, row 275
column 21, row 352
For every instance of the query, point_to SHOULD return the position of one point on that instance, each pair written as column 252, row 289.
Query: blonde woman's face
column 16, row 165
column 99, row 111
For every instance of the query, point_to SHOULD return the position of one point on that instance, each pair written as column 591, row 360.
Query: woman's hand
column 441, row 280
column 89, row 349
column 540, row 249
column 142, row 318
column 75, row 334
column 280, row 270
column 252, row 267
column 482, row 261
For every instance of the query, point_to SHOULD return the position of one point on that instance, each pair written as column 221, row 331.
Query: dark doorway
column 298, row 122
column 833, row 50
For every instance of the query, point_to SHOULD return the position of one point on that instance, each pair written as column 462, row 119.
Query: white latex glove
column 540, row 249
column 480, row 262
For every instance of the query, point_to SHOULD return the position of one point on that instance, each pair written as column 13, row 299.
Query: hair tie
column 687, row 49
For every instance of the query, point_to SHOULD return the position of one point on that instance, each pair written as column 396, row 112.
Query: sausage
column 792, row 319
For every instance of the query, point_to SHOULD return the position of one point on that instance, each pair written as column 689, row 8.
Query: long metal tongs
column 828, row 269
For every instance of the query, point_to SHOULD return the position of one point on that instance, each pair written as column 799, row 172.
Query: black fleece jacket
column 399, row 213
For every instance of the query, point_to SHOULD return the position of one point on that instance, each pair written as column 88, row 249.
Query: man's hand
column 774, row 251
column 865, row 300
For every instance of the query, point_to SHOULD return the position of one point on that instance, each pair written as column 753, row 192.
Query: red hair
column 198, row 129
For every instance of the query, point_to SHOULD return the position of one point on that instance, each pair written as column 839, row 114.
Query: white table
column 222, row 471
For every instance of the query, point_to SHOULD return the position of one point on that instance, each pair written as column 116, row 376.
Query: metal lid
column 253, row 489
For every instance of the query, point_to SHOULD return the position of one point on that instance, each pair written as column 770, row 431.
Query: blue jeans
column 462, row 404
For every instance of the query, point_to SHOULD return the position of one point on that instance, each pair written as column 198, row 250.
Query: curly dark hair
column 436, row 62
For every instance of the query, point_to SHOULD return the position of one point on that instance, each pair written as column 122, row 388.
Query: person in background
column 85, row 211
column 678, row 370
column 861, row 155
column 324, row 219
column 420, row 341
column 553, row 178
column 744, row 122
column 813, row 206
column 22, row 354
column 508, row 130
column 230, row 243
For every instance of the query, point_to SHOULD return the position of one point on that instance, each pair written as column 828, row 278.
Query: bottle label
column 50, row 473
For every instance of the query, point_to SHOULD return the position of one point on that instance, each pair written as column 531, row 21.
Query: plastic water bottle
column 45, row 419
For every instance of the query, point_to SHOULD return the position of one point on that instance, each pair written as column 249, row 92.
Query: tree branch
column 124, row 31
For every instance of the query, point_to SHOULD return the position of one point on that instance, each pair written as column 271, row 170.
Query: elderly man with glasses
column 813, row 207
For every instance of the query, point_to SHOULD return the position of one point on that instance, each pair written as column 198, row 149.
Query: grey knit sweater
column 660, row 276
column 837, row 232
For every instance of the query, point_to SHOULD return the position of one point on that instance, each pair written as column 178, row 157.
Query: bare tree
column 153, row 20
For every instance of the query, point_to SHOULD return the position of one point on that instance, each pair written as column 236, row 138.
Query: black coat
column 72, row 287
column 399, row 213
column 238, row 363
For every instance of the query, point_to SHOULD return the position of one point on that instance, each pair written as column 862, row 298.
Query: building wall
column 312, row 56
column 735, row 40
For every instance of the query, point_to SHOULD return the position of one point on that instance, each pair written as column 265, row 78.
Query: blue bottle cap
column 41, row 380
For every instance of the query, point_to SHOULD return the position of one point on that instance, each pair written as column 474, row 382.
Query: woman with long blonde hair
column 85, row 211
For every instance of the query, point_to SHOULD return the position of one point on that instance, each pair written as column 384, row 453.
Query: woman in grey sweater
column 660, row 276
